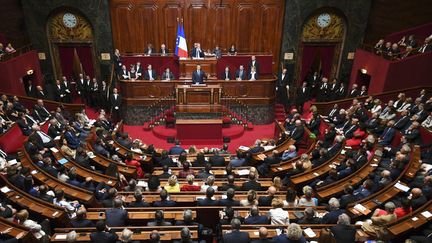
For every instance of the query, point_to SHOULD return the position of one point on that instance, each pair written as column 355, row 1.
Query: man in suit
column 41, row 138
column 30, row 90
column 255, row 218
column 403, row 122
column 217, row 52
column 163, row 50
column 81, row 87
column 208, row 201
column 115, row 102
column 41, row 111
column 426, row 47
column 81, row 221
column 177, row 149
column 164, row 202
column 149, row 50
column 226, row 75
column 40, row 93
column 228, row 185
column 303, row 95
column 254, row 63
column 387, row 136
column 54, row 129
column 332, row 216
column 235, row 235
column 67, row 90
column 263, row 236
column 24, row 125
column 323, row 90
column 124, row 74
column 138, row 71
column 117, row 61
column 282, row 87
column 186, row 236
column 159, row 220
column 216, row 159
column 363, row 91
column 229, row 200
column 354, row 92
column 297, row 132
column 167, row 75
column 412, row 134
column 348, row 131
column 266, row 200
column 197, row 52
column 198, row 75
column 340, row 92
column 252, row 184
column 240, row 73
column 150, row 74
column 103, row 234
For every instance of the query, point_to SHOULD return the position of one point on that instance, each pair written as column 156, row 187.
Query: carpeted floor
column 247, row 139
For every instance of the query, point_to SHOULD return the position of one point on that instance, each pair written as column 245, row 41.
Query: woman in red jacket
column 132, row 162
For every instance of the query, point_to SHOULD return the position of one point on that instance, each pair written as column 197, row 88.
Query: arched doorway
column 71, row 39
column 321, row 44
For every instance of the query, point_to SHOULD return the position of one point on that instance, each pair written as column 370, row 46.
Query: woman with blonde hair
column 172, row 185
column 277, row 215
column 35, row 228
column 251, row 199
column 308, row 200
column 209, row 183
column 277, row 183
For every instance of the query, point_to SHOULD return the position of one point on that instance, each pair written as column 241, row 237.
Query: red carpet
column 247, row 138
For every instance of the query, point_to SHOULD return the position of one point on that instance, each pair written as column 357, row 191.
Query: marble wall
column 97, row 12
column 297, row 12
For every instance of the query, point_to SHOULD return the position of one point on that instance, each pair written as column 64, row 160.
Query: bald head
column 263, row 233
column 271, row 191
column 416, row 192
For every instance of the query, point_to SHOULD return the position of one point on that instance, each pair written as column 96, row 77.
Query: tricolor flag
column 181, row 46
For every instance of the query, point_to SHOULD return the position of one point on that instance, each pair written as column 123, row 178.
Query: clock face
column 323, row 20
column 69, row 20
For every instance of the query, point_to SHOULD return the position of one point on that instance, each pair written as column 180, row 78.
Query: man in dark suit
column 226, row 75
column 354, row 92
column 117, row 61
column 163, row 50
column 303, row 95
column 103, row 234
column 267, row 200
column 255, row 218
column 80, row 221
column 53, row 129
column 42, row 112
column 403, row 122
column 228, row 185
column 167, row 75
column 426, row 47
column 263, row 236
column 185, row 236
column 412, row 134
column 235, row 235
column 149, row 50
column 252, row 184
column 254, row 63
column 196, row 51
column 116, row 216
column 198, row 75
column 297, row 132
column 159, row 220
column 282, row 87
column 229, row 200
column 150, row 74
column 67, row 90
column 216, row 159
column 208, row 201
column 332, row 216
column 139, row 71
column 115, row 102
column 253, row 74
column 40, row 93
column 349, row 130
column 240, row 73
column 81, row 87
column 387, row 136
column 164, row 202
column 30, row 90
column 24, row 125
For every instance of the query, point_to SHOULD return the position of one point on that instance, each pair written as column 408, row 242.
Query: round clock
column 69, row 20
column 323, row 20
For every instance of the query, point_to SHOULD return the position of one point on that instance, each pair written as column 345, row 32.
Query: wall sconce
column 30, row 72
column 364, row 71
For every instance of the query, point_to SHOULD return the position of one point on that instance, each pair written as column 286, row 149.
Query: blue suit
column 259, row 219
column 198, row 78
column 176, row 150
column 72, row 140
column 236, row 236
column 116, row 217
column 387, row 136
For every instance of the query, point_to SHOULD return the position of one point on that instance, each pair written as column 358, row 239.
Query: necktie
column 293, row 131
column 332, row 112
column 197, row 53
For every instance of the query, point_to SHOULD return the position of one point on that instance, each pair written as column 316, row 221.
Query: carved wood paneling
column 252, row 25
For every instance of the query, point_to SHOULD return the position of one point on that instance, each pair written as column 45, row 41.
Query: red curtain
column 308, row 56
column 86, row 59
column 327, row 54
column 66, row 54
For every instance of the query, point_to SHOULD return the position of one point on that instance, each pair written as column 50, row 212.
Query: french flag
column 181, row 46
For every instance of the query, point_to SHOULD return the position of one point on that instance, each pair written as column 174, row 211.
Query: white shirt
column 45, row 138
column 278, row 216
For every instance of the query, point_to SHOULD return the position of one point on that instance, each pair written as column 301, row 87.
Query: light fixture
column 364, row 71
column 30, row 72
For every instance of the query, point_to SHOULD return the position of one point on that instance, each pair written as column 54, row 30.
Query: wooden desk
column 187, row 66
column 198, row 94
column 199, row 129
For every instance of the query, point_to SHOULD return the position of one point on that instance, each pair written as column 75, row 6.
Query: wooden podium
column 187, row 66
column 198, row 98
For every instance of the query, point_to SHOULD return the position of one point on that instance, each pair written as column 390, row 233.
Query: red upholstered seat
column 12, row 140
column 226, row 121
